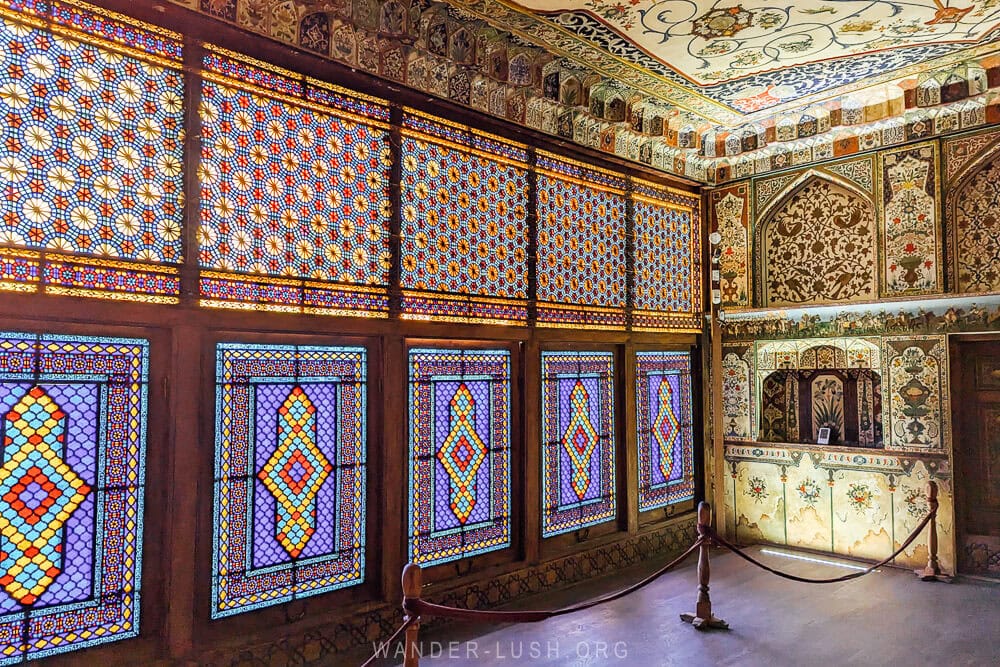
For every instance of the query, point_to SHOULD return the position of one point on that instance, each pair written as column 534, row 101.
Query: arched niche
column 817, row 243
column 974, row 213
column 822, row 386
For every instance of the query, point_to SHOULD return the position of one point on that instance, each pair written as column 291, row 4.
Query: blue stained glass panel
column 578, row 442
column 290, row 473
column 665, row 434
column 71, row 491
column 459, row 453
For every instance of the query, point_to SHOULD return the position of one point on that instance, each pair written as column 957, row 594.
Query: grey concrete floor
column 886, row 618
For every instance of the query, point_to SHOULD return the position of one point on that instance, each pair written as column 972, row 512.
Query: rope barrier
column 421, row 607
column 406, row 624
column 718, row 539
column 414, row 607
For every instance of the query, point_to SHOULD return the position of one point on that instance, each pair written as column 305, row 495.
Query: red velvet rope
column 715, row 537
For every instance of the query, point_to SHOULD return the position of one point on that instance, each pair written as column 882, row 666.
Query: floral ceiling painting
column 759, row 54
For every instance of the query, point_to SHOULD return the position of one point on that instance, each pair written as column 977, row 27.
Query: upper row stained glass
column 92, row 155
column 288, row 189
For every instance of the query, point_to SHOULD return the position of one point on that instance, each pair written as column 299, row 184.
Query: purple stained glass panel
column 578, row 443
column 290, row 473
column 73, row 419
column 459, row 453
column 665, row 434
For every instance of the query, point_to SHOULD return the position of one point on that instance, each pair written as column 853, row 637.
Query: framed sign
column 823, row 437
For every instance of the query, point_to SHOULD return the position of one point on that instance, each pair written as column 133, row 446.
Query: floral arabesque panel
column 912, row 243
column 581, row 245
column 731, row 215
column 919, row 414
column 974, row 204
column 72, row 485
column 290, row 473
column 737, row 386
column 578, row 440
column 667, row 258
column 460, row 423
column 664, row 430
column 820, row 245
column 92, row 156
column 294, row 193
column 464, row 224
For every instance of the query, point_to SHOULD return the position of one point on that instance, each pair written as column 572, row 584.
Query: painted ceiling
column 727, row 60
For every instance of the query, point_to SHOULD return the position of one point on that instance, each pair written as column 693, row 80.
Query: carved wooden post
column 933, row 570
column 412, row 582
column 702, row 618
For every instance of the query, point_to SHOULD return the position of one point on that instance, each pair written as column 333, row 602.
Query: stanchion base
column 704, row 623
column 929, row 574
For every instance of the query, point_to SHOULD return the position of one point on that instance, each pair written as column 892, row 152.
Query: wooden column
column 932, row 572
column 702, row 618
column 412, row 582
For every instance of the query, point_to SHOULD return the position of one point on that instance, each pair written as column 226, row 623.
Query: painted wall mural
column 918, row 396
column 737, row 388
column 856, row 504
column 731, row 217
column 974, row 204
column 911, row 240
column 819, row 245
column 755, row 54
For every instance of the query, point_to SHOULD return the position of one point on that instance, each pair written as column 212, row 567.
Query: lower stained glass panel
column 578, row 444
column 459, row 453
column 71, row 491
column 664, row 431
column 289, row 473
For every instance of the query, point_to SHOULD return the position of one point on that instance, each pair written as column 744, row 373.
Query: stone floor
column 886, row 618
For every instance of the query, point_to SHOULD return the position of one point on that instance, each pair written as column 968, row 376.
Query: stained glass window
column 464, row 217
column 667, row 285
column 459, row 453
column 290, row 468
column 578, row 440
column 664, row 432
column 581, row 245
column 294, row 193
column 90, row 164
column 71, row 491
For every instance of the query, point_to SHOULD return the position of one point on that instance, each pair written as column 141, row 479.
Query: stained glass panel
column 459, row 453
column 290, row 466
column 90, row 164
column 71, row 491
column 581, row 245
column 578, row 440
column 294, row 193
column 665, row 435
column 464, row 217
column 667, row 247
